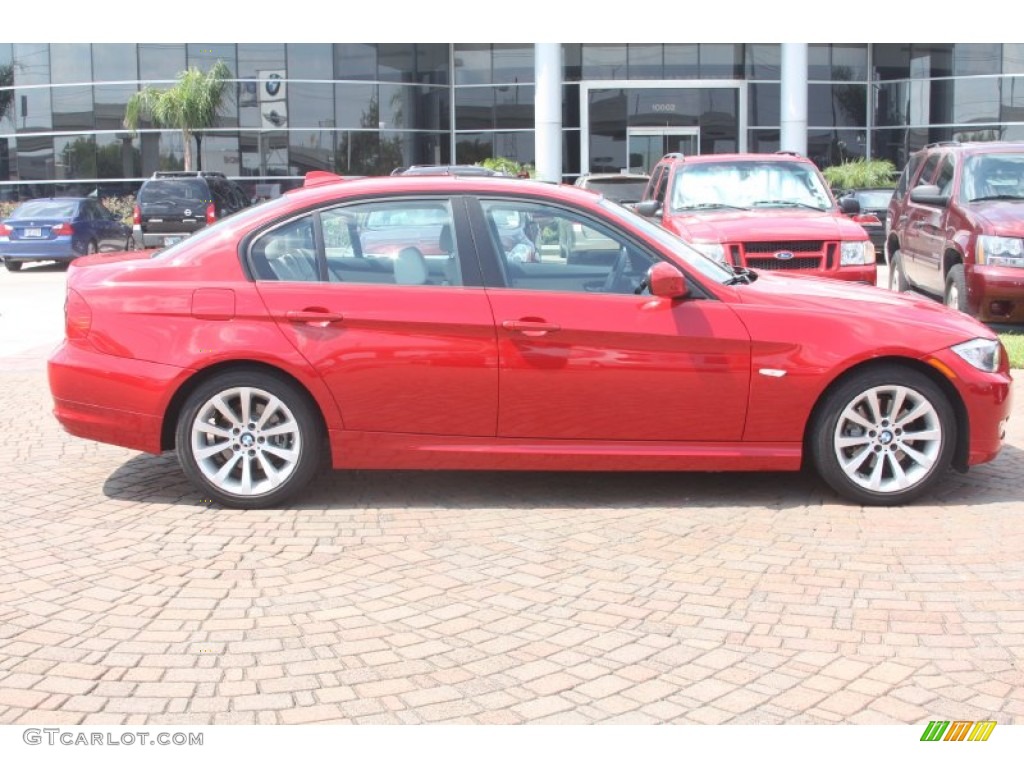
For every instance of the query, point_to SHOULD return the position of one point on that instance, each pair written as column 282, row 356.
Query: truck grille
column 808, row 255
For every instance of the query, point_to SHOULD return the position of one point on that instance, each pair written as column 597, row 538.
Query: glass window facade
column 363, row 108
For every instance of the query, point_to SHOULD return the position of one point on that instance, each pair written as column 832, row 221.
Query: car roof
column 322, row 186
column 766, row 157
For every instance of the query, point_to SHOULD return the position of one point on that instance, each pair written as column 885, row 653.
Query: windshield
column 749, row 184
column 619, row 190
column 707, row 267
column 873, row 198
column 996, row 176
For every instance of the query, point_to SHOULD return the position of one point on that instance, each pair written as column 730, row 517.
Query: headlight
column 714, row 251
column 1000, row 251
column 983, row 354
column 856, row 254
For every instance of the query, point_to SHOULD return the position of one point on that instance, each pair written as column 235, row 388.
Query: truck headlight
column 714, row 251
column 1000, row 251
column 857, row 253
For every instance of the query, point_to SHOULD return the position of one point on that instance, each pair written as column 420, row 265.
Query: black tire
column 882, row 465
column 12, row 266
column 245, row 449
column 91, row 248
column 897, row 275
column 955, row 295
column 130, row 243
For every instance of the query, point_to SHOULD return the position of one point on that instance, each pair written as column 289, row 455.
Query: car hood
column 758, row 225
column 930, row 324
column 1000, row 217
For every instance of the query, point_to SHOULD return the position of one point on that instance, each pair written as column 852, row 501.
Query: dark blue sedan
column 61, row 229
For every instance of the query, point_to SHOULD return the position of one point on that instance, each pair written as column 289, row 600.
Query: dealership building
column 566, row 108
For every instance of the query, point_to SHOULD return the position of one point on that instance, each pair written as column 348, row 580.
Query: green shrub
column 861, row 174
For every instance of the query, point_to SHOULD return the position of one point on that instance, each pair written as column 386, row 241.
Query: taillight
column 63, row 229
column 5, row 231
column 136, row 215
column 77, row 316
column 211, row 213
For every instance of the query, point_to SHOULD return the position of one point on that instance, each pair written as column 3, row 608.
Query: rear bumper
column 60, row 249
column 111, row 399
column 148, row 239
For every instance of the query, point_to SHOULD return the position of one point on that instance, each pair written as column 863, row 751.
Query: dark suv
column 760, row 211
column 956, row 228
column 172, row 205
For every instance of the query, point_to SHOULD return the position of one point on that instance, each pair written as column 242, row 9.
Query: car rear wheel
column 12, row 266
column 91, row 248
column 956, row 288
column 130, row 243
column 884, row 436
column 248, row 439
column 897, row 276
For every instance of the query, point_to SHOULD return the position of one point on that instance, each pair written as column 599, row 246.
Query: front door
column 583, row 356
column 646, row 146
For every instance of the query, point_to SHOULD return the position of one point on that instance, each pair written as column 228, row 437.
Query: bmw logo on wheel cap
column 784, row 255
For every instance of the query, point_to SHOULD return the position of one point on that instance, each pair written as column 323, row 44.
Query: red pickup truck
column 760, row 211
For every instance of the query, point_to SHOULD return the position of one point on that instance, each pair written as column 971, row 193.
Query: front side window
column 547, row 248
column 748, row 184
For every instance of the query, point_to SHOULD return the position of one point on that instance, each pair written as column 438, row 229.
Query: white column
column 547, row 71
column 793, row 107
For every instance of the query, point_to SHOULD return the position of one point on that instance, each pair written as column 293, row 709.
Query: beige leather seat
column 411, row 267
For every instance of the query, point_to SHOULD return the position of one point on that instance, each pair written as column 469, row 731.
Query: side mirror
column 665, row 280
column 928, row 194
column 647, row 208
column 849, row 205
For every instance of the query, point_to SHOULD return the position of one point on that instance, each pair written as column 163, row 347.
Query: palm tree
column 190, row 106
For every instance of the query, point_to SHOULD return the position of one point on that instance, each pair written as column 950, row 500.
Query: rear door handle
column 319, row 318
column 530, row 327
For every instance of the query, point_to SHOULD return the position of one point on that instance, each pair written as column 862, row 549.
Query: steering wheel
column 614, row 279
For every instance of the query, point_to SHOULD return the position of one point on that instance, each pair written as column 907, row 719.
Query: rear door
column 404, row 339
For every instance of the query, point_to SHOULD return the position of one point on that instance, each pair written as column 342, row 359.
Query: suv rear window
column 174, row 189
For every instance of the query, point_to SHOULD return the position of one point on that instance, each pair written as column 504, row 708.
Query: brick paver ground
column 411, row 597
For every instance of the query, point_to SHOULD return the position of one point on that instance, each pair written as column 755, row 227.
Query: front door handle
column 314, row 316
column 530, row 327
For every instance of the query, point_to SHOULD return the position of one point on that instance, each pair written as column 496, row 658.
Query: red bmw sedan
column 280, row 337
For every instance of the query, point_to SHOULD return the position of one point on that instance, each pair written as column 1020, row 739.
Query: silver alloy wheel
column 245, row 441
column 888, row 438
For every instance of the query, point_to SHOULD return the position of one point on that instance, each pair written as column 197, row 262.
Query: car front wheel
column 885, row 436
column 248, row 439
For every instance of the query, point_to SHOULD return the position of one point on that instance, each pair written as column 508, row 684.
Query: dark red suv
column 956, row 228
column 760, row 211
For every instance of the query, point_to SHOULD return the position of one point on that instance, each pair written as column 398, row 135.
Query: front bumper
column 988, row 400
column 996, row 294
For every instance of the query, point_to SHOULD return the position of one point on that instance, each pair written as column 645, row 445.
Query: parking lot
column 415, row 597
